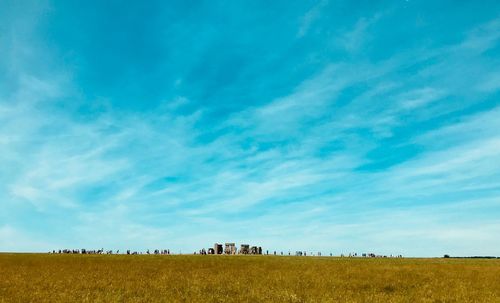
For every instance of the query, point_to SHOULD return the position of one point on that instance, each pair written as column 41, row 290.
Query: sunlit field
column 150, row 278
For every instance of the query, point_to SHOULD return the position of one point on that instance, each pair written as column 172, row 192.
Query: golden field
column 150, row 278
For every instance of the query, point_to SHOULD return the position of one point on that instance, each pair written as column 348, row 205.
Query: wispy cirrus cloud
column 310, row 16
column 360, row 152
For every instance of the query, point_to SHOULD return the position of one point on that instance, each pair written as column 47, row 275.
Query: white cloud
column 312, row 15
column 286, row 171
column 481, row 38
column 353, row 40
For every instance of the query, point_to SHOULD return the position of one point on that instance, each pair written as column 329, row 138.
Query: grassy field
column 118, row 278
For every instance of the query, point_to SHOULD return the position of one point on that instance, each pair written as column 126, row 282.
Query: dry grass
column 113, row 278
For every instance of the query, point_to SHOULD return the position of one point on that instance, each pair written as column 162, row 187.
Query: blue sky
column 333, row 126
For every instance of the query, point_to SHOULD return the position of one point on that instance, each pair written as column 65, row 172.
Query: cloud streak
column 363, row 151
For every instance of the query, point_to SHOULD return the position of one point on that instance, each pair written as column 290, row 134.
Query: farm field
column 184, row 278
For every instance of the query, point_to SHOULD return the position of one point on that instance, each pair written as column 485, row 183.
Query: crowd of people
column 110, row 252
column 209, row 252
